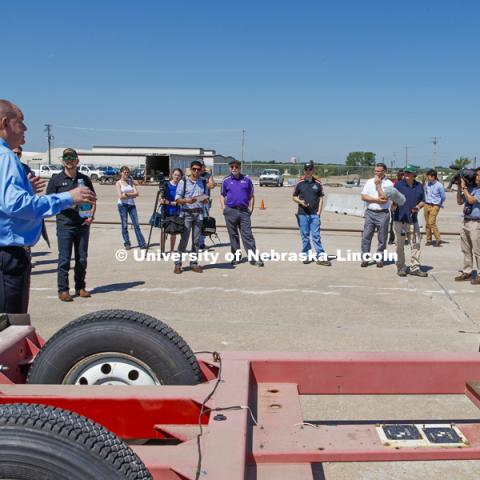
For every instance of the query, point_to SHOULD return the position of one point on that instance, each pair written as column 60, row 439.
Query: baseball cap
column 308, row 166
column 69, row 152
column 410, row 169
column 234, row 162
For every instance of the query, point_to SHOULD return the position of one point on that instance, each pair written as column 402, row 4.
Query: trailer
column 119, row 395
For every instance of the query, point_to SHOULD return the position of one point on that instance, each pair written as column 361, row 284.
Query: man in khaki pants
column 405, row 220
column 434, row 198
column 469, row 197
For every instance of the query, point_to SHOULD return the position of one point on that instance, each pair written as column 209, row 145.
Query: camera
column 467, row 174
column 162, row 184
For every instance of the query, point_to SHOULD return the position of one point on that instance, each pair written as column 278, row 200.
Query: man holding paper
column 191, row 196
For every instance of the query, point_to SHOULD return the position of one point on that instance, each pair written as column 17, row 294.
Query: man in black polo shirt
column 405, row 219
column 72, row 229
column 308, row 194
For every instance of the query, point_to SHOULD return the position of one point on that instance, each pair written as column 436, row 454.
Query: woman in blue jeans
column 127, row 192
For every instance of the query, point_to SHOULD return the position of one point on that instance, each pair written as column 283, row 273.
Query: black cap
column 308, row 166
column 69, row 151
column 234, row 162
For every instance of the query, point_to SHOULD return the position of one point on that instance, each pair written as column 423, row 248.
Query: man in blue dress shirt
column 434, row 199
column 21, row 212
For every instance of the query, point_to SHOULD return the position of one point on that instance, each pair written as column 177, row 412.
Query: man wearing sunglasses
column 73, row 231
column 308, row 194
column 21, row 212
column 192, row 196
column 237, row 200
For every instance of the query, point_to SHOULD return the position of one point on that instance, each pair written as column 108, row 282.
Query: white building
column 154, row 159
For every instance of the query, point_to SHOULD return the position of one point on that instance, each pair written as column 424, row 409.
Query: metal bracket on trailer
column 253, row 427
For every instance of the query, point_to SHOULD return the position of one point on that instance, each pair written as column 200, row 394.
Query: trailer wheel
column 41, row 442
column 94, row 177
column 110, row 180
column 115, row 347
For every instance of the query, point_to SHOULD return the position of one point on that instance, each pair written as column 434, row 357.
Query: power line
column 119, row 130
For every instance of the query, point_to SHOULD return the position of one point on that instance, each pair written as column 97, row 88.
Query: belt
column 193, row 210
column 432, row 204
column 383, row 210
column 471, row 219
column 239, row 208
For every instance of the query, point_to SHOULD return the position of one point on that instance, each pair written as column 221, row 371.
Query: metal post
column 50, row 137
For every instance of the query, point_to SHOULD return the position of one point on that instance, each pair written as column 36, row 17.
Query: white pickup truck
column 90, row 171
column 46, row 171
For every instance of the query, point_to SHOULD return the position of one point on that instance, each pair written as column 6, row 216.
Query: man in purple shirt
column 237, row 200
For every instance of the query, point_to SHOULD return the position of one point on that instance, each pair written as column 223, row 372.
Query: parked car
column 271, row 176
column 138, row 174
column 90, row 171
column 110, row 170
column 46, row 171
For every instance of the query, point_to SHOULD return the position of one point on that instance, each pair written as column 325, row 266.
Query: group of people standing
column 429, row 197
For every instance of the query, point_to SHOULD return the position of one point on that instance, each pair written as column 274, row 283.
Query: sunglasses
column 195, row 169
column 69, row 158
column 308, row 169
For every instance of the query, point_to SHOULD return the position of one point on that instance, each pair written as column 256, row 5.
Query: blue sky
column 312, row 79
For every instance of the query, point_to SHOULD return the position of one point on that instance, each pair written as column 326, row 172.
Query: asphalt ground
column 288, row 306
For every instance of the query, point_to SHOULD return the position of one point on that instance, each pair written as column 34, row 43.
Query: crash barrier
column 354, row 205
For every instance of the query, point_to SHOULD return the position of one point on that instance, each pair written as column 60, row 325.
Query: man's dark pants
column 14, row 280
column 238, row 219
column 68, row 237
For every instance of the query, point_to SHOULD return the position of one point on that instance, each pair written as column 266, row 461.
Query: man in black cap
column 308, row 194
column 73, row 228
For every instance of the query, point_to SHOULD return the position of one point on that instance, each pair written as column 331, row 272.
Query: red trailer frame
column 252, row 426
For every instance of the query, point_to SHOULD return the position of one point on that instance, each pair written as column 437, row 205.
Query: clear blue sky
column 312, row 79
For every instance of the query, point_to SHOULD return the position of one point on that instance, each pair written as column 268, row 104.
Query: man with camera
column 468, row 195
column 192, row 197
column 405, row 219
column 434, row 199
column 377, row 214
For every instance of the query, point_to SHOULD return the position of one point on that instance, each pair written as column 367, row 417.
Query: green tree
column 461, row 162
column 360, row 159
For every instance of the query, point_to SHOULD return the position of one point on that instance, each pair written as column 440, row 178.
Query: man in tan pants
column 469, row 197
column 406, row 223
column 434, row 198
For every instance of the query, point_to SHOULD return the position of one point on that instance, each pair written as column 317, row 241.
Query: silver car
column 271, row 176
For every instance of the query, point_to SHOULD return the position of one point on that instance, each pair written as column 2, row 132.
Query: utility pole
column 474, row 162
column 434, row 153
column 50, row 137
column 406, row 155
column 243, row 146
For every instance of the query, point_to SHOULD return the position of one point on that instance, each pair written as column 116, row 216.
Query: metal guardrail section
column 253, row 427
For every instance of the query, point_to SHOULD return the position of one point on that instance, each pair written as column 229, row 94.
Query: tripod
column 154, row 221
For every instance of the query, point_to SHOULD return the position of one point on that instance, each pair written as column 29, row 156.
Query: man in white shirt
column 377, row 214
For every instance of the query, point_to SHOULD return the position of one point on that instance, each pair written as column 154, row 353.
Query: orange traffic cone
column 262, row 205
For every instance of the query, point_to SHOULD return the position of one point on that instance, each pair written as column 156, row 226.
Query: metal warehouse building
column 154, row 159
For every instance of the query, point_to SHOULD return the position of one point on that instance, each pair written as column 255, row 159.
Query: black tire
column 103, row 180
column 38, row 442
column 115, row 337
column 110, row 180
column 94, row 177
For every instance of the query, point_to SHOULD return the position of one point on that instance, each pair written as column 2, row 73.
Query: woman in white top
column 127, row 192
